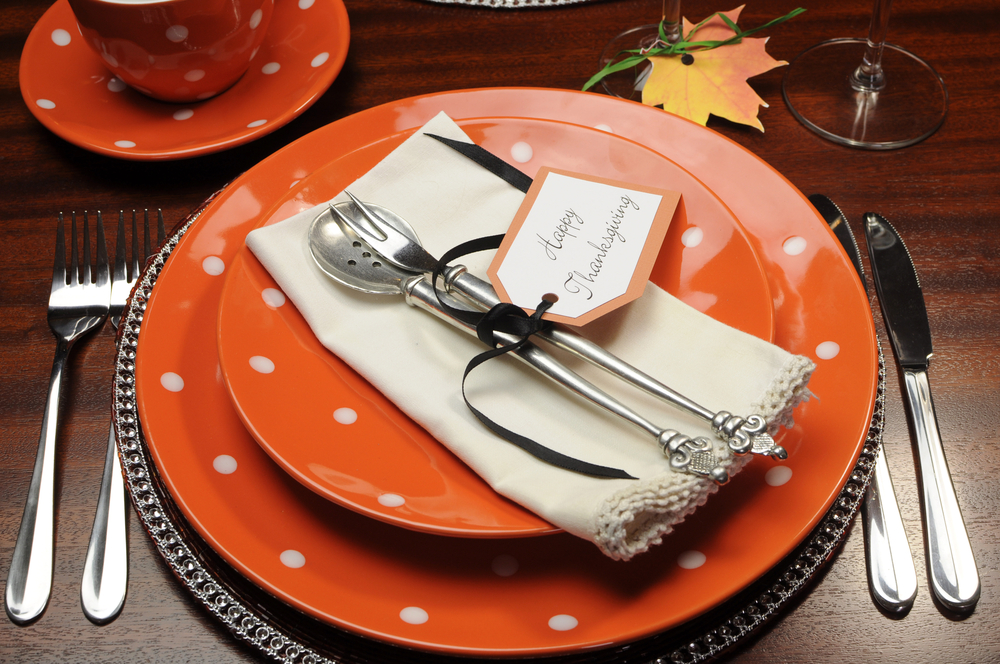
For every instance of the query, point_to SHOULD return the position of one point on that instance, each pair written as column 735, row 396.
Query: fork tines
column 73, row 278
column 59, row 269
column 130, row 268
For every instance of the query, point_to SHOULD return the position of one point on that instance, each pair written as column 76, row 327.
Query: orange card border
column 671, row 207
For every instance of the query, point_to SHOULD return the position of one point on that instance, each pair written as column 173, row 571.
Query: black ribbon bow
column 506, row 318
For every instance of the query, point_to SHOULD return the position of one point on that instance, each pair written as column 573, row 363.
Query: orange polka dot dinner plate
column 68, row 89
column 387, row 586
column 354, row 446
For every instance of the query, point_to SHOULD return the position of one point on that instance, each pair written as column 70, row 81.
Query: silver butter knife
column 891, row 575
column 954, row 577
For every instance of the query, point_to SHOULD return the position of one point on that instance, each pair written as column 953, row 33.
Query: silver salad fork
column 105, row 572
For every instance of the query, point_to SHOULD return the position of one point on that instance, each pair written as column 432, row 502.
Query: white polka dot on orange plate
column 292, row 558
column 61, row 37
column 213, row 265
column 521, row 152
column 828, row 350
column 414, row 615
column 563, row 622
column 172, row 382
column 692, row 237
column 794, row 245
column 224, row 464
column 345, row 415
column 391, row 500
column 778, row 475
column 272, row 297
column 262, row 364
column 691, row 559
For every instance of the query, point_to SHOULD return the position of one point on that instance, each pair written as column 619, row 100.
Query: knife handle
column 891, row 575
column 954, row 577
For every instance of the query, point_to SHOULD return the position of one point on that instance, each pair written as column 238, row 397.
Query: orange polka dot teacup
column 175, row 50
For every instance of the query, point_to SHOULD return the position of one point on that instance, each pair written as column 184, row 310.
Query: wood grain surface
column 941, row 194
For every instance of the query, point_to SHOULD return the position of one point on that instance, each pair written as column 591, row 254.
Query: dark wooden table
column 942, row 195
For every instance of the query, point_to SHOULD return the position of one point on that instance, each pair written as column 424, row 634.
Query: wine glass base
column 817, row 89
column 628, row 83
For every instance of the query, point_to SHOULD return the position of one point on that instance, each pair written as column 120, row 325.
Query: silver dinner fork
column 105, row 572
column 76, row 307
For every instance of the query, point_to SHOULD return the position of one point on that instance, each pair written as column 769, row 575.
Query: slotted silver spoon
column 348, row 259
column 404, row 251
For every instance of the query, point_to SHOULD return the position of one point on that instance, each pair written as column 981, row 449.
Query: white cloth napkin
column 417, row 361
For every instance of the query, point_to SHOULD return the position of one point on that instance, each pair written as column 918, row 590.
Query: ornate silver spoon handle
column 405, row 252
column 741, row 435
column 695, row 456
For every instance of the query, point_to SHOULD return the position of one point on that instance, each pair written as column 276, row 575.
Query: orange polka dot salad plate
column 344, row 447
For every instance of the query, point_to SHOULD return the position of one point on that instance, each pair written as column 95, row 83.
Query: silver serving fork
column 741, row 435
column 105, row 572
column 76, row 307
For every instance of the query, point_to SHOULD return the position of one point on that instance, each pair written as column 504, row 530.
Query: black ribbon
column 489, row 161
column 506, row 318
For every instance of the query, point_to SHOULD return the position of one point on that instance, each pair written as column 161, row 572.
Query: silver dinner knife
column 954, row 577
column 891, row 574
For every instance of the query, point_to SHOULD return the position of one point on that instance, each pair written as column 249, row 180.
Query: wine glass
column 628, row 83
column 865, row 93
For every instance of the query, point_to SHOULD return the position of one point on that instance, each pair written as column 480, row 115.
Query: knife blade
column 892, row 577
column 954, row 576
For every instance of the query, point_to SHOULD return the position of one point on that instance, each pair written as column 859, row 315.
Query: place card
column 586, row 243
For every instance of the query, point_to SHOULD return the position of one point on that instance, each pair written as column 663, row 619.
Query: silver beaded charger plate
column 226, row 584
column 283, row 634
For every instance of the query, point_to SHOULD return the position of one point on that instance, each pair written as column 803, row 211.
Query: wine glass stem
column 672, row 20
column 869, row 77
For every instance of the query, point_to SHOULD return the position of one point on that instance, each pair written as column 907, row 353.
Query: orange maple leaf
column 715, row 83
